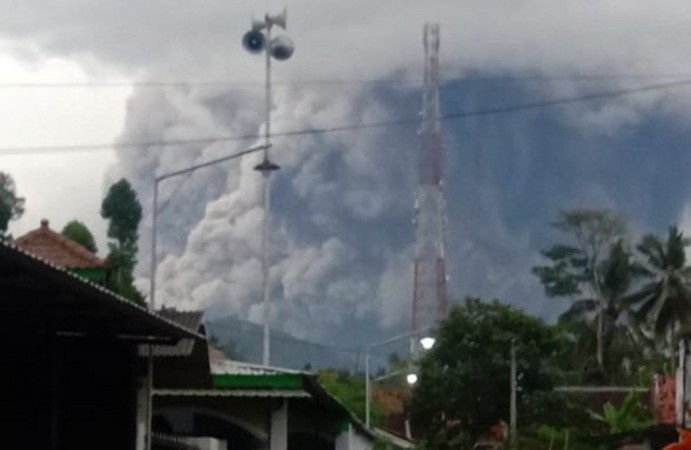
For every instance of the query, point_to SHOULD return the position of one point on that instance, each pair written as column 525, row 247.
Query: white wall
column 207, row 443
column 352, row 440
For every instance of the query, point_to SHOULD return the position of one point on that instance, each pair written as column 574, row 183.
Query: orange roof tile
column 58, row 250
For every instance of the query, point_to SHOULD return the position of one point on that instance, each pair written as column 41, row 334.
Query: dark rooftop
column 38, row 295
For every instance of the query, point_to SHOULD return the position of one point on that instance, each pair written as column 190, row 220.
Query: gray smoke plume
column 210, row 229
column 341, row 235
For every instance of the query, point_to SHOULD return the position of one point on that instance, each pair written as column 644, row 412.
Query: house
column 205, row 401
column 76, row 370
column 63, row 252
column 72, row 377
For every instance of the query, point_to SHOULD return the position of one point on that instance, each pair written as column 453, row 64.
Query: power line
column 356, row 127
column 174, row 192
column 203, row 84
column 327, row 82
column 189, row 171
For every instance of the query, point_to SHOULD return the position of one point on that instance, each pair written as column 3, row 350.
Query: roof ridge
column 79, row 248
column 88, row 258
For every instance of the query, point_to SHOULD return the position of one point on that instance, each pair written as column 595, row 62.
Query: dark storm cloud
column 344, row 202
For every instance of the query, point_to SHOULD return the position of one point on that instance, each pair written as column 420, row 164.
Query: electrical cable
column 498, row 110
column 315, row 82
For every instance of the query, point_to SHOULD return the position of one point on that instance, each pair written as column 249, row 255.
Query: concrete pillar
column 344, row 440
column 142, row 403
column 278, row 436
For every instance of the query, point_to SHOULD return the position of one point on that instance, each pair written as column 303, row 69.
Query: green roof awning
column 278, row 381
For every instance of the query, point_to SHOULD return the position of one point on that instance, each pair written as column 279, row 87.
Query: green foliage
column 664, row 301
column 11, row 206
column 630, row 417
column 594, row 268
column 350, row 391
column 464, row 380
column 554, row 438
column 573, row 266
column 79, row 233
column 124, row 212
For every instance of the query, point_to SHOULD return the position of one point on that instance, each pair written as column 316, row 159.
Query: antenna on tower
column 429, row 290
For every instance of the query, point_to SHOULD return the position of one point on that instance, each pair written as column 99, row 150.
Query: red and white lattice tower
column 429, row 292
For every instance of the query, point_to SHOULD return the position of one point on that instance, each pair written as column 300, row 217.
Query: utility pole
column 514, row 389
column 281, row 48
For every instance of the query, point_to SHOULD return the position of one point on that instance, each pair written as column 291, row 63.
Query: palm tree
column 614, row 276
column 664, row 301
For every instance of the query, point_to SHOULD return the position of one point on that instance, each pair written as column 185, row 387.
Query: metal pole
column 267, row 203
column 267, row 89
column 154, row 266
column 154, row 223
column 265, row 271
column 367, row 388
column 368, row 381
column 152, row 297
column 514, row 388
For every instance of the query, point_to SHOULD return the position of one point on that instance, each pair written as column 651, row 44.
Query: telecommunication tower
column 429, row 291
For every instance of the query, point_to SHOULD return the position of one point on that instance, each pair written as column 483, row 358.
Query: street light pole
column 266, row 168
column 280, row 48
column 368, row 348
column 152, row 300
column 154, row 264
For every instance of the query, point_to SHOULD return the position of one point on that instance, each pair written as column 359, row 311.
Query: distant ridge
column 243, row 341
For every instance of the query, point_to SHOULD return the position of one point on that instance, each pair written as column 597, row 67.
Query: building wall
column 67, row 393
column 360, row 442
column 352, row 440
column 663, row 399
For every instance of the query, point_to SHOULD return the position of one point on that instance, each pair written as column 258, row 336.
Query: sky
column 342, row 207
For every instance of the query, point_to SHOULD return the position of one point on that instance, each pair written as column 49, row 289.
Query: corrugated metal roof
column 216, row 354
column 266, row 393
column 172, row 441
column 20, row 259
column 192, row 320
column 228, row 367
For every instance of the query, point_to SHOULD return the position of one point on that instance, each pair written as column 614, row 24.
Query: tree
column 79, row 233
column 631, row 416
column 664, row 301
column 11, row 206
column 465, row 379
column 122, row 209
column 350, row 391
column 593, row 268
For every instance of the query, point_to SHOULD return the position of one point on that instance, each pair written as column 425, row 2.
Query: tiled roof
column 216, row 355
column 58, row 250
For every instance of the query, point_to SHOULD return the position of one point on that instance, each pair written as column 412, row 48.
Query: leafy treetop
column 79, row 233
column 122, row 208
column 465, row 379
column 11, row 206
